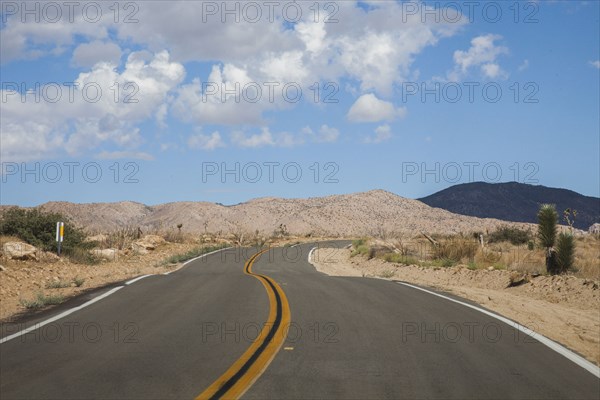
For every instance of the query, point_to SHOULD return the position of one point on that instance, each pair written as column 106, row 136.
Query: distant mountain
column 369, row 213
column 514, row 201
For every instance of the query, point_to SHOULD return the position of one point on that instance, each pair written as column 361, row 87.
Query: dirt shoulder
column 23, row 281
column 563, row 308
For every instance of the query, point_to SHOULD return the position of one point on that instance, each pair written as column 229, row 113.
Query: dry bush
column 119, row 239
column 456, row 249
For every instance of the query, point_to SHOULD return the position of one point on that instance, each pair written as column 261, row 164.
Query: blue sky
column 393, row 71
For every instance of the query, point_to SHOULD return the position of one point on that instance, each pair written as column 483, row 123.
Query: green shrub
column 509, row 234
column 41, row 301
column 358, row 242
column 361, row 249
column 39, row 229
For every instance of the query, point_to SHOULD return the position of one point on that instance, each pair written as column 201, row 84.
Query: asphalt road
column 179, row 335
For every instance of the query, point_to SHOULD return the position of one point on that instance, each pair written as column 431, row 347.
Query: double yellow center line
column 255, row 360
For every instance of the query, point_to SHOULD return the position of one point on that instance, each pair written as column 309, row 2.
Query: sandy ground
column 563, row 308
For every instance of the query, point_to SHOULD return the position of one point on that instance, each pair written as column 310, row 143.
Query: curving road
column 269, row 326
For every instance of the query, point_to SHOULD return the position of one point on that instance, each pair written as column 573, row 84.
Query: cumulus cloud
column 482, row 54
column 382, row 133
column 371, row 50
column 368, row 108
column 89, row 54
column 91, row 111
column 595, row 64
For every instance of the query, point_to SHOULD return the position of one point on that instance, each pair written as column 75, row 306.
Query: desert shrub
column 515, row 236
column 361, row 249
column 455, row 249
column 358, row 242
column 39, row 229
column 41, row 300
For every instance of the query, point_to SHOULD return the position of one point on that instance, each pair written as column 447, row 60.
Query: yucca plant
column 547, row 219
column 565, row 251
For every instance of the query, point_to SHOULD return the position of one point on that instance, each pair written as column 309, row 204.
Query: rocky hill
column 370, row 213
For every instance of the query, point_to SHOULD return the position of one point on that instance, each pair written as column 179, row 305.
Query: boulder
column 106, row 254
column 517, row 278
column 97, row 238
column 148, row 242
column 19, row 251
column 594, row 228
column 48, row 256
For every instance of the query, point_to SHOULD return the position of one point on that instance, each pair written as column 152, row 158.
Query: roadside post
column 60, row 230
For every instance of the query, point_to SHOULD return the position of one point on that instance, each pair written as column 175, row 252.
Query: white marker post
column 60, row 230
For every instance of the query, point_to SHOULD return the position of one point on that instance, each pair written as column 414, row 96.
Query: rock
column 2, row 269
column 48, row 256
column 19, row 251
column 148, row 242
column 517, row 279
column 106, row 254
column 97, row 238
column 594, row 228
column 490, row 268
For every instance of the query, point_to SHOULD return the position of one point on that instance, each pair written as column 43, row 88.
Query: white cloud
column 595, row 64
column 368, row 108
column 325, row 134
column 206, row 142
column 264, row 138
column 89, row 54
column 483, row 53
column 82, row 119
column 524, row 65
column 116, row 155
column 382, row 134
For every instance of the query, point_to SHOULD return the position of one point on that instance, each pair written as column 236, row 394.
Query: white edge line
column 197, row 258
column 577, row 359
column 139, row 278
column 59, row 316
column 90, row 302
column 310, row 255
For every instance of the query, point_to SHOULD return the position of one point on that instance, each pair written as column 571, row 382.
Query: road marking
column 255, row 360
column 59, row 316
column 139, row 278
column 310, row 255
column 577, row 359
column 288, row 348
column 92, row 301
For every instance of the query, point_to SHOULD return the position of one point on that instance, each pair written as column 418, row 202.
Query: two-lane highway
column 197, row 332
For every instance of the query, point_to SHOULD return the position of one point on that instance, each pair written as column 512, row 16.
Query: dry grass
column 462, row 249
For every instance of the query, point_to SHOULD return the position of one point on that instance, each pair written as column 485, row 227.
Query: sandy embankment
column 563, row 308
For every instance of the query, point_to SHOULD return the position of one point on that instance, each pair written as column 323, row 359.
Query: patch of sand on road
column 565, row 309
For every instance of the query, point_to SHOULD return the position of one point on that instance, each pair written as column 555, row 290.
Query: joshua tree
column 547, row 218
column 565, row 251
